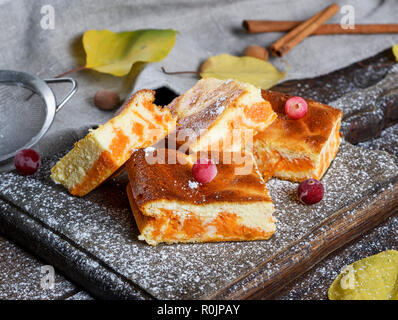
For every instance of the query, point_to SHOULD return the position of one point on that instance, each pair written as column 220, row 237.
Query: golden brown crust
column 141, row 220
column 170, row 227
column 127, row 104
column 202, row 109
column 153, row 182
column 98, row 173
column 306, row 135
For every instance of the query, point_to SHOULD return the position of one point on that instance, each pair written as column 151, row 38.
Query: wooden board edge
column 321, row 245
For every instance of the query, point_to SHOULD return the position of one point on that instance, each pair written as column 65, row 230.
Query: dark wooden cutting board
column 92, row 240
column 360, row 126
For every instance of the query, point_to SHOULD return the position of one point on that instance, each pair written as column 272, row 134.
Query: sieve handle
column 69, row 95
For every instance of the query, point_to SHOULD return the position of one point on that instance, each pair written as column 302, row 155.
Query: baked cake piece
column 208, row 113
column 104, row 150
column 296, row 150
column 170, row 206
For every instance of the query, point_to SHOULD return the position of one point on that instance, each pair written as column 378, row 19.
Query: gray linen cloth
column 205, row 28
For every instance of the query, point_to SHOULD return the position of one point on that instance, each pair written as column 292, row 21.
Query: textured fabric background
column 205, row 28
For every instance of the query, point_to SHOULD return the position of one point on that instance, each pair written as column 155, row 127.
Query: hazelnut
column 256, row 52
column 106, row 99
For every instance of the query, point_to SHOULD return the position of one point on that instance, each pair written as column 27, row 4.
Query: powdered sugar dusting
column 21, row 275
column 101, row 223
column 366, row 106
column 193, row 184
column 315, row 284
column 219, row 107
column 149, row 150
column 388, row 142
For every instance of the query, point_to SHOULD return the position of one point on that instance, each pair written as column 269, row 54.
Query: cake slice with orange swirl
column 104, row 150
column 301, row 149
column 219, row 115
column 170, row 206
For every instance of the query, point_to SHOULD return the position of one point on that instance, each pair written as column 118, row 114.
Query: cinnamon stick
column 260, row 26
column 303, row 30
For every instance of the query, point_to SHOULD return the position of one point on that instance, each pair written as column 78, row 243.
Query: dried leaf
column 116, row 53
column 395, row 51
column 246, row 69
column 372, row 278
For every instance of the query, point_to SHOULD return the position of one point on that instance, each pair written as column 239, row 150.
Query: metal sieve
column 27, row 109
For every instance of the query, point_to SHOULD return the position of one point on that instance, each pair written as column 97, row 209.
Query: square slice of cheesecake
column 170, row 206
column 104, row 150
column 219, row 115
column 297, row 150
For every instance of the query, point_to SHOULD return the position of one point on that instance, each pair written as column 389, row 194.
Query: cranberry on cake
column 298, row 149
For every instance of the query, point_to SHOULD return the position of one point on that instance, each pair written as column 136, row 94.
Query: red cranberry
column 310, row 191
column 27, row 161
column 204, row 170
column 296, row 108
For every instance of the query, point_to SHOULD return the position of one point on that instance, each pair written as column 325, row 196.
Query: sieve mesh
column 22, row 116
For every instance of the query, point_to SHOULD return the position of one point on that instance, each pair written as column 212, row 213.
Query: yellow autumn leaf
column 116, row 53
column 395, row 51
column 246, row 69
column 372, row 278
